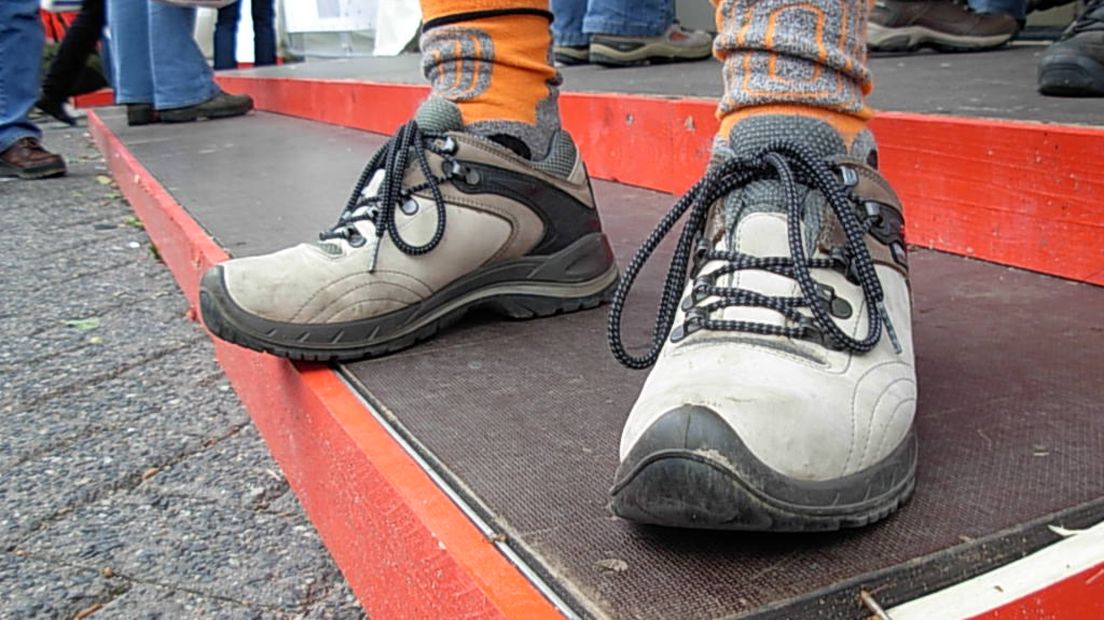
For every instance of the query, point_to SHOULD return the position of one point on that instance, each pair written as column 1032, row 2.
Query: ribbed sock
column 493, row 59
column 786, row 58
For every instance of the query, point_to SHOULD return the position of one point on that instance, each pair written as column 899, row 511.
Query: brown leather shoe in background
column 904, row 26
column 27, row 159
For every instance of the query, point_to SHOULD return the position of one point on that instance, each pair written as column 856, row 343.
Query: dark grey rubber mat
column 524, row 417
column 999, row 84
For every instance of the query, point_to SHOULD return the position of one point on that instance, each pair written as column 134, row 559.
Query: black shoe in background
column 1074, row 65
column 55, row 109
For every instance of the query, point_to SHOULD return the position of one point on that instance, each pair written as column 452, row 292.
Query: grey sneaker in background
column 677, row 44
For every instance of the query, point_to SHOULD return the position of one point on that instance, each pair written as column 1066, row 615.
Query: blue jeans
column 21, row 40
column 576, row 20
column 264, row 34
column 155, row 59
column 1015, row 8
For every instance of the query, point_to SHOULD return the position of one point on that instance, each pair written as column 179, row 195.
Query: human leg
column 72, row 59
column 21, row 40
column 482, row 200
column 226, row 36
column 181, row 76
column 571, row 45
column 784, row 388
column 264, row 32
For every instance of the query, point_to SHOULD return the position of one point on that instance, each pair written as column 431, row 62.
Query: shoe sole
column 606, row 54
column 188, row 116
column 912, row 38
column 497, row 288
column 700, row 489
column 46, row 172
column 1071, row 76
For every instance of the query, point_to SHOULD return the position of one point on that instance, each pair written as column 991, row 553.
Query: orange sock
column 492, row 58
column 783, row 58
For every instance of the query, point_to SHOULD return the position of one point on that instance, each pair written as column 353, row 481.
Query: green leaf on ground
column 83, row 325
column 133, row 222
column 103, row 179
column 155, row 253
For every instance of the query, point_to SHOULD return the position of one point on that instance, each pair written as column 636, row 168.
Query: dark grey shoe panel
column 528, row 414
column 997, row 84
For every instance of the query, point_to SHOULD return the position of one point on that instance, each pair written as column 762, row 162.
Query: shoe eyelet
column 451, row 169
column 356, row 240
column 409, row 207
column 848, row 175
column 471, row 176
column 449, row 146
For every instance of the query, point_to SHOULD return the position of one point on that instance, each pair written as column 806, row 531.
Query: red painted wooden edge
column 1077, row 596
column 1024, row 194
column 102, row 97
column 406, row 549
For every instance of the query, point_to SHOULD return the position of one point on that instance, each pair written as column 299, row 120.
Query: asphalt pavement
column 132, row 483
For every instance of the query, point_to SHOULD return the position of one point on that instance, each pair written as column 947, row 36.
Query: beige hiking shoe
column 783, row 392
column 441, row 221
column 677, row 44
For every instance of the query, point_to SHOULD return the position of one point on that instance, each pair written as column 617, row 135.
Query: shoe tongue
column 439, row 115
column 749, row 137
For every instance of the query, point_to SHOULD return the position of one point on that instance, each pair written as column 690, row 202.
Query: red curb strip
column 1023, row 194
column 406, row 549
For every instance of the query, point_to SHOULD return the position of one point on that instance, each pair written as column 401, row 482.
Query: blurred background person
column 69, row 73
column 621, row 33
column 21, row 40
column 159, row 71
column 264, row 34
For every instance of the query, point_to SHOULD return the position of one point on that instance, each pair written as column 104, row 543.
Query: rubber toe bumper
column 691, row 470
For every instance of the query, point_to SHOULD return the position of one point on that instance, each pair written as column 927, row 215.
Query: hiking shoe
column 904, row 26
column 222, row 105
column 28, row 159
column 783, row 391
column 569, row 55
column 1074, row 65
column 441, row 221
column 677, row 44
column 141, row 114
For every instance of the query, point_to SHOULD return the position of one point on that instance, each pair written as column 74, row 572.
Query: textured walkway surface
column 132, row 484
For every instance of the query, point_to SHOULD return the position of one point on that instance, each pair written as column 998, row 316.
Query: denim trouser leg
column 264, row 32
column 21, row 40
column 1015, row 8
column 567, row 25
column 181, row 75
column 632, row 18
column 169, row 74
column 226, row 36
column 128, row 22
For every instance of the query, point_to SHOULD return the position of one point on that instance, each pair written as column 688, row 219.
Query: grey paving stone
column 62, row 479
column 195, row 545
column 238, row 471
column 152, row 602
column 31, row 588
column 124, row 446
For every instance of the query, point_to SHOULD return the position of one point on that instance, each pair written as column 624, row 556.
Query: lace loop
column 793, row 166
column 393, row 159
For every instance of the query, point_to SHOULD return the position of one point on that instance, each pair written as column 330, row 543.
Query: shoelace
column 393, row 159
column 777, row 160
column 1092, row 18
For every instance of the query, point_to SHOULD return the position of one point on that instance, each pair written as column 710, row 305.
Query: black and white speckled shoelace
column 393, row 159
column 790, row 164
